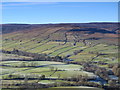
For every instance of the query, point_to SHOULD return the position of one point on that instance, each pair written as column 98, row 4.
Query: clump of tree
column 91, row 84
column 100, row 71
column 32, row 86
column 77, row 78
column 77, row 51
column 22, row 76
column 26, row 64
column 116, row 69
column 110, row 65
column 112, row 85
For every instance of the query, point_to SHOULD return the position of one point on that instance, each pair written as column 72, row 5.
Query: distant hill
column 8, row 28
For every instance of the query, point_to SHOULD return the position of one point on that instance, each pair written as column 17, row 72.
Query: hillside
column 55, row 50
column 59, row 33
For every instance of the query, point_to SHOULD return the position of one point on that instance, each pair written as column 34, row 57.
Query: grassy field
column 56, row 48
column 42, row 67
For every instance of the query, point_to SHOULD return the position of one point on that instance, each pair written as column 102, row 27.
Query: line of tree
column 35, row 56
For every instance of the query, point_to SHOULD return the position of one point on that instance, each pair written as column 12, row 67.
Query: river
column 102, row 81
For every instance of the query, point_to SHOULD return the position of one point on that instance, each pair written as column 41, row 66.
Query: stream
column 102, row 81
column 98, row 80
